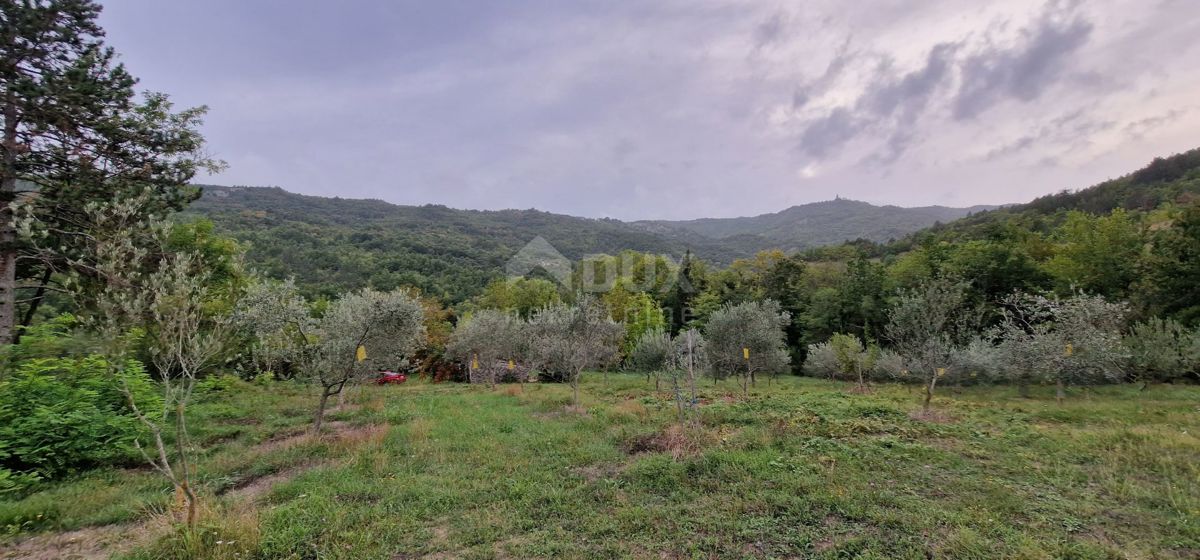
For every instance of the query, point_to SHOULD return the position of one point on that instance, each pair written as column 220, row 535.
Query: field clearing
column 801, row 469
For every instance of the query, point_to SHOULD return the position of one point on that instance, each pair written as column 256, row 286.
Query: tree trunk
column 8, row 233
column 320, row 416
column 929, row 393
column 190, row 496
column 1060, row 391
column 34, row 303
column 1023, row 387
column 184, row 468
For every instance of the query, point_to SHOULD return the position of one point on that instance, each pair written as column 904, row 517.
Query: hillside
column 1166, row 180
column 333, row 244
column 820, row 223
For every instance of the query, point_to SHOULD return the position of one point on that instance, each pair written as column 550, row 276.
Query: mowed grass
column 800, row 469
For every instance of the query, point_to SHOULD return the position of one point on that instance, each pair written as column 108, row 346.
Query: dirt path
column 100, row 543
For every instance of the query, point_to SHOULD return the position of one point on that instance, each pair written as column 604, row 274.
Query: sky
column 674, row 109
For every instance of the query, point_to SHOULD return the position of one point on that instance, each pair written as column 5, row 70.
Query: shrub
column 1162, row 350
column 63, row 415
column 822, row 361
column 977, row 361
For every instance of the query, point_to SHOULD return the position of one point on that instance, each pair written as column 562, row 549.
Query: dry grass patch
column 678, row 440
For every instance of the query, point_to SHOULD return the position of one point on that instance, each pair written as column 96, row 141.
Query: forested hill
column 1165, row 180
column 334, row 244
column 820, row 223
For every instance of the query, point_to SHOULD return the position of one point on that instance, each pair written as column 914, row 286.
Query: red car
column 386, row 377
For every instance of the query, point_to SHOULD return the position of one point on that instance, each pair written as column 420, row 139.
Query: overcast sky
column 674, row 108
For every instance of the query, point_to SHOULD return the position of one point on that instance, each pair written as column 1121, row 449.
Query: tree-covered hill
column 334, row 244
column 1173, row 180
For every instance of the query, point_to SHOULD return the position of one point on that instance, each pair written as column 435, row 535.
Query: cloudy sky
column 675, row 108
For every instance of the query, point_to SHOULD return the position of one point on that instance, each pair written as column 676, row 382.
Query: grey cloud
column 1024, row 72
column 893, row 104
column 1070, row 129
column 826, row 135
column 770, row 30
column 1141, row 127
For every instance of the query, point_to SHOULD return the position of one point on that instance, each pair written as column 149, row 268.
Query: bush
column 888, row 366
column 63, row 415
column 1162, row 350
column 822, row 361
column 976, row 362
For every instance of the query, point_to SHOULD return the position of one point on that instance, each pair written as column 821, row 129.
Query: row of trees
column 561, row 340
column 936, row 334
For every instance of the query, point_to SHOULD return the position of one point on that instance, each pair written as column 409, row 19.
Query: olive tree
column 926, row 326
column 487, row 340
column 567, row 339
column 183, row 340
column 853, row 357
column 358, row 333
column 689, row 357
column 154, row 298
column 652, row 355
column 276, row 320
column 747, row 339
column 1162, row 350
column 1076, row 340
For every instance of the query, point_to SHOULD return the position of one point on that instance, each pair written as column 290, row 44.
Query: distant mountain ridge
column 819, row 223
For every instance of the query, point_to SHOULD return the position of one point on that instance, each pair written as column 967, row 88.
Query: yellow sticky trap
column 511, row 365
column 361, row 354
column 941, row 372
column 746, row 353
column 1070, row 349
column 475, row 362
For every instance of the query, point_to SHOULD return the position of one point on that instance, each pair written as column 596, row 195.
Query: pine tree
column 74, row 131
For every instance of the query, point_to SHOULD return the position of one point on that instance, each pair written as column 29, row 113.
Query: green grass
column 801, row 469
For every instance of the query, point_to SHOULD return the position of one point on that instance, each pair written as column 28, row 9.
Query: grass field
column 800, row 469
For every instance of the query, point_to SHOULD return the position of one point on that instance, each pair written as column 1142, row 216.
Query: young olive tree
column 822, row 361
column 184, row 340
column 652, row 354
column 1162, row 350
column 853, row 357
column 925, row 326
column 689, row 357
column 488, row 340
column 162, row 299
column 359, row 332
column 747, row 339
column 1068, row 341
column 277, row 322
column 568, row 339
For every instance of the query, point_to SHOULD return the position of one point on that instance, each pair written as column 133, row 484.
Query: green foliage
column 486, row 341
column 523, row 296
column 747, row 339
column 566, row 339
column 1172, row 267
column 1097, row 254
column 1162, row 350
column 63, row 415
